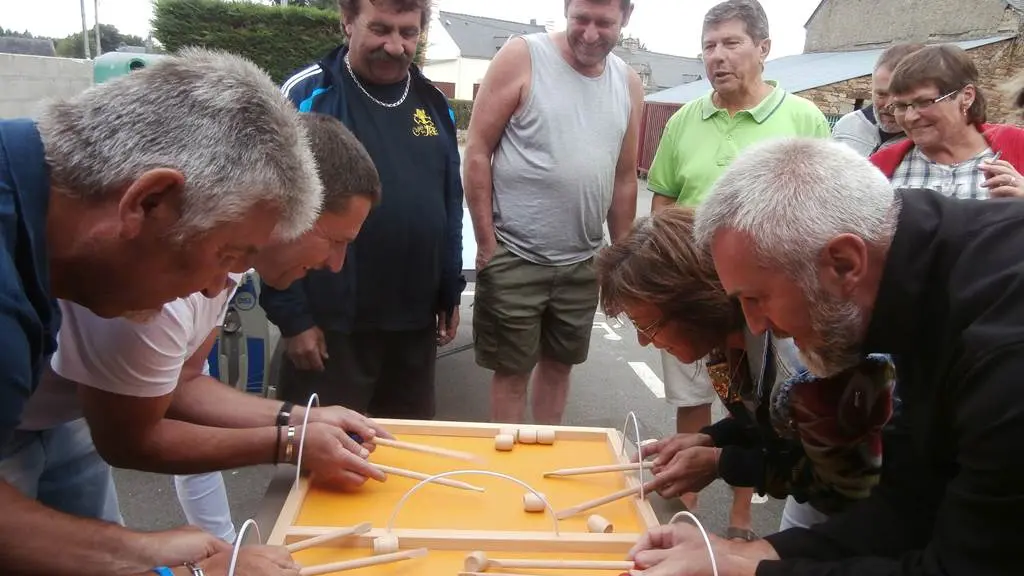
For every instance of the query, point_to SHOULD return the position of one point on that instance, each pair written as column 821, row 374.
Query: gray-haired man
column 830, row 254
column 130, row 195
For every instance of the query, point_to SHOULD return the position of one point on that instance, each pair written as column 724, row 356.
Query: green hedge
column 280, row 39
column 463, row 110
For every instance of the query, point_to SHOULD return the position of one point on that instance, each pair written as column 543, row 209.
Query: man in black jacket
column 813, row 242
column 366, row 337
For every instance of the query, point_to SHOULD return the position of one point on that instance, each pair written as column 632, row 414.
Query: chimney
column 533, row 21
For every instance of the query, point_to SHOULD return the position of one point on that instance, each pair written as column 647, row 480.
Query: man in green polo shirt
column 699, row 142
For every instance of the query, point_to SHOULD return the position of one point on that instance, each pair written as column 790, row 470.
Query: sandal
column 734, row 533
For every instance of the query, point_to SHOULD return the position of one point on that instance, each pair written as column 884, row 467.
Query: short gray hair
column 749, row 12
column 215, row 117
column 791, row 196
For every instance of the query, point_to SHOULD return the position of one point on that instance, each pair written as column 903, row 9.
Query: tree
column 321, row 4
column 110, row 40
column 15, row 34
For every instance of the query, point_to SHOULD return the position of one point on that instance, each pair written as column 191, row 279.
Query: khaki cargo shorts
column 524, row 311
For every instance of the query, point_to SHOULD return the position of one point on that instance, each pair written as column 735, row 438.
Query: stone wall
column 996, row 63
column 839, row 98
column 839, row 25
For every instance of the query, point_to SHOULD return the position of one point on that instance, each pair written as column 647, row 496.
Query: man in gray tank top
column 551, row 156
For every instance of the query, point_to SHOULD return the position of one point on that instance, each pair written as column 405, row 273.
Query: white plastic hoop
column 622, row 449
column 302, row 437
column 238, row 543
column 707, row 541
column 398, row 507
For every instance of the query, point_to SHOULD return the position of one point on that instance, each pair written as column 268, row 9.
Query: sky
column 669, row 26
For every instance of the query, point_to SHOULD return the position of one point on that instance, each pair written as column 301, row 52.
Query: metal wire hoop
column 401, row 502
column 302, row 438
column 622, row 448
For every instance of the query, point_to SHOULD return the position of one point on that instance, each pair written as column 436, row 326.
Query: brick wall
column 996, row 64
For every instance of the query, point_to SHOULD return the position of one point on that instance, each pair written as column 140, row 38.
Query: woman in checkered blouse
column 952, row 149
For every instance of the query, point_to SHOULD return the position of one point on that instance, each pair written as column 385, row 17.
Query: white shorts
column 686, row 385
column 797, row 515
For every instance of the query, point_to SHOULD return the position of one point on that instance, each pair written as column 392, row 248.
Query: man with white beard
column 814, row 243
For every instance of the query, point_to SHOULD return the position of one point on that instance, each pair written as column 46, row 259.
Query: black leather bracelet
column 277, row 447
column 284, row 415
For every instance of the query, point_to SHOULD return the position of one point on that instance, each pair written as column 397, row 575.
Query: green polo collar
column 759, row 113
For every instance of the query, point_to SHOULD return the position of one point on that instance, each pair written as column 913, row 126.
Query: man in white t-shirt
column 141, row 386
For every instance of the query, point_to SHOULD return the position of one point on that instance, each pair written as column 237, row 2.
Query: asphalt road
column 604, row 390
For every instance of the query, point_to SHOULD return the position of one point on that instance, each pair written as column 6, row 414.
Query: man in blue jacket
column 120, row 199
column 366, row 337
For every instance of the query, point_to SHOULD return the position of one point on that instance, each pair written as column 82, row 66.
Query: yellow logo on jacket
column 423, row 124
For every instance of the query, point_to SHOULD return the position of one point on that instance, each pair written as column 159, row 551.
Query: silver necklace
column 408, row 81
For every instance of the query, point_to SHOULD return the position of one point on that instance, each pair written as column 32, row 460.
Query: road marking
column 468, row 293
column 609, row 334
column 649, row 378
column 758, row 499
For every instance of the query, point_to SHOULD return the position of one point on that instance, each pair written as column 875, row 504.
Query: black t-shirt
column 398, row 252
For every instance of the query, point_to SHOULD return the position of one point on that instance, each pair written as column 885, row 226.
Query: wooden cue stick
column 362, row 562
column 330, row 536
column 495, row 574
column 597, row 502
column 427, row 449
column 563, row 564
column 421, row 476
column 599, row 469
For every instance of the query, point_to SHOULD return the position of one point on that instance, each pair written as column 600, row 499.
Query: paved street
column 619, row 377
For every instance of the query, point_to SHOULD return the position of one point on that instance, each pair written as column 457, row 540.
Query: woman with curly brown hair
column 816, row 440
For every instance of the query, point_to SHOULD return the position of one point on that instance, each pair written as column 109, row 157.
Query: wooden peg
column 386, row 544
column 421, row 476
column 599, row 469
column 599, row 525
column 329, row 537
column 362, row 562
column 625, row 493
column 479, row 562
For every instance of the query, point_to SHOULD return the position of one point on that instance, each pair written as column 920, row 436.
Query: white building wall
column 471, row 71
column 27, row 81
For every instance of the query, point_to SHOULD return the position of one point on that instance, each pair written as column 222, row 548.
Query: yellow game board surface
column 499, row 508
column 450, row 562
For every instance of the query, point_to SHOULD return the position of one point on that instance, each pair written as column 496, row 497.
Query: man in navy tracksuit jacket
column 366, row 337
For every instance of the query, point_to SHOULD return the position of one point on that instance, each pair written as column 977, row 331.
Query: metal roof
column 481, row 37
column 27, row 46
column 666, row 70
column 805, row 71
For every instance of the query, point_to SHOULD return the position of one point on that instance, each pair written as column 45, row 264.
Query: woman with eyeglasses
column 951, row 148
column 788, row 434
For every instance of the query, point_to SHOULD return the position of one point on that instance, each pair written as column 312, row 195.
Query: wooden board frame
column 284, row 531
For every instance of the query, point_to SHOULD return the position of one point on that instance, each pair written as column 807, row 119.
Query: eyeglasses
column 919, row 105
column 651, row 330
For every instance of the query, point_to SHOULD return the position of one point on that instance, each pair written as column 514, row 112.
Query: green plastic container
column 114, row 64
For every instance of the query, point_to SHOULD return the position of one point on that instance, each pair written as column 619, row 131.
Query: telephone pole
column 85, row 32
column 96, row 9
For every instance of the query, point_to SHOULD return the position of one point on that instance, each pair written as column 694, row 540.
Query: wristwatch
column 196, row 570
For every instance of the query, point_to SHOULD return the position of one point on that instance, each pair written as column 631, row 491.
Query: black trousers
column 379, row 374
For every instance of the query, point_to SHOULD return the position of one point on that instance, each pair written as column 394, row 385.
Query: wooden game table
column 451, row 523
